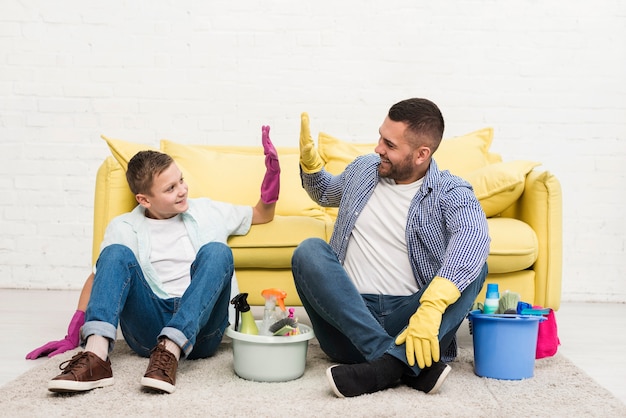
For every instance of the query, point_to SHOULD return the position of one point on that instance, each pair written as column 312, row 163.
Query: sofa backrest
column 221, row 172
column 461, row 155
column 234, row 174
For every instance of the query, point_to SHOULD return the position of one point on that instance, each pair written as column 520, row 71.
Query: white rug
column 209, row 387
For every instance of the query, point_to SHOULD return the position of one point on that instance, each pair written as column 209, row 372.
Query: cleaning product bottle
column 492, row 299
column 273, row 296
column 248, row 325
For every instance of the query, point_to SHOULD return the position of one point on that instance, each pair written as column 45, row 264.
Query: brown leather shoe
column 161, row 372
column 84, row 371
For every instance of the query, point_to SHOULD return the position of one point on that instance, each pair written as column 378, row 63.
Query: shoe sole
column 440, row 380
column 329, row 375
column 64, row 386
column 156, row 384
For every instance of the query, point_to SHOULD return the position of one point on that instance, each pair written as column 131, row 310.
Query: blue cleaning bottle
column 248, row 325
column 492, row 299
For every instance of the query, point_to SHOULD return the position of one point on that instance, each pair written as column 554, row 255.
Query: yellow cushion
column 271, row 245
column 514, row 245
column 464, row 154
column 460, row 155
column 234, row 174
column 497, row 186
column 337, row 154
column 123, row 151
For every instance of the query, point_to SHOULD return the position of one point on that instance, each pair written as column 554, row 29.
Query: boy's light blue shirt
column 206, row 221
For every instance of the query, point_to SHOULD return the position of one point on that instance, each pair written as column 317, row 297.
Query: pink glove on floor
column 70, row 341
column 271, row 182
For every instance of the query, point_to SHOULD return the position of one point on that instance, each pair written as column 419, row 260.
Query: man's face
column 168, row 195
column 397, row 157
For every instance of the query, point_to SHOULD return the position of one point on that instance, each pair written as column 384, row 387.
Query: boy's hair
column 142, row 169
column 423, row 118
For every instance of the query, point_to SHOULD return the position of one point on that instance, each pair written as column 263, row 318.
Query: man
column 163, row 274
column 405, row 263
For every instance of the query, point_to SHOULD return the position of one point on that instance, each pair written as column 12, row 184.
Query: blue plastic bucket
column 504, row 345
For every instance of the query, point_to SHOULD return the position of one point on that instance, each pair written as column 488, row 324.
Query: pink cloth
column 547, row 339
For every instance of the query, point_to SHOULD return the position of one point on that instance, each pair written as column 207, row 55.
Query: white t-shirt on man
column 377, row 258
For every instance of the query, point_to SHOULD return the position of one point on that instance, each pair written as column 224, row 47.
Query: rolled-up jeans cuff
column 101, row 328
column 178, row 337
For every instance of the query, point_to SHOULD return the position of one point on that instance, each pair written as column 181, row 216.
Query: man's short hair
column 423, row 119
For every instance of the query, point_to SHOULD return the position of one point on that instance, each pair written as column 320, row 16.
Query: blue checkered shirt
column 446, row 231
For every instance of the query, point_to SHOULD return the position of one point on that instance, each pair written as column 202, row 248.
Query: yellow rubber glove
column 310, row 160
column 422, row 334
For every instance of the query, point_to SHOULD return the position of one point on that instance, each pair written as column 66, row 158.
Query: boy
column 163, row 274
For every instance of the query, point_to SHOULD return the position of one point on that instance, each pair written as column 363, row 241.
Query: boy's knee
column 216, row 250
column 116, row 252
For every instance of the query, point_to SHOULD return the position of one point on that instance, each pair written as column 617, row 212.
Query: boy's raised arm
column 264, row 210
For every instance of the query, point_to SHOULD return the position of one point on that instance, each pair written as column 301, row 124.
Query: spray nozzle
column 241, row 305
column 276, row 295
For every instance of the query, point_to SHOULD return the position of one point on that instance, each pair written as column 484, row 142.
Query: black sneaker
column 430, row 379
column 349, row 380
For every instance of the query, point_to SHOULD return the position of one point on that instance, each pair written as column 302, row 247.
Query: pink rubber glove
column 70, row 341
column 271, row 182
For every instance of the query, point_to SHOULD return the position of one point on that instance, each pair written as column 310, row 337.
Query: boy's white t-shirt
column 172, row 253
column 377, row 258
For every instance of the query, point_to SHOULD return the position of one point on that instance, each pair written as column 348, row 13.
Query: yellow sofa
column 522, row 203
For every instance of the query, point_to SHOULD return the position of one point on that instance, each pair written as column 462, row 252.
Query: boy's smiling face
column 168, row 195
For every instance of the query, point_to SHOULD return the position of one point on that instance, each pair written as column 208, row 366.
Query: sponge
column 508, row 303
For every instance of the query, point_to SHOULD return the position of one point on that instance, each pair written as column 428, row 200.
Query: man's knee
column 306, row 248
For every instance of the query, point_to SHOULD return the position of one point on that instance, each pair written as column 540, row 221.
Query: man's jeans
column 195, row 322
column 355, row 328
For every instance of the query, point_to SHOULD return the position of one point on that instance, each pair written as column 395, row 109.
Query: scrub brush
column 283, row 326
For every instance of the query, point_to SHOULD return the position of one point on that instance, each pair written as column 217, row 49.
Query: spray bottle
column 248, row 326
column 272, row 297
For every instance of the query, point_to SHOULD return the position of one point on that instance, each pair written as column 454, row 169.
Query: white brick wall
column 548, row 76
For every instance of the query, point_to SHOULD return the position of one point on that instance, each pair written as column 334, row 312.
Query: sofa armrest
column 112, row 197
column 540, row 206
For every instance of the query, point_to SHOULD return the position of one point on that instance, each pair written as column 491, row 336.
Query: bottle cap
column 492, row 290
column 278, row 296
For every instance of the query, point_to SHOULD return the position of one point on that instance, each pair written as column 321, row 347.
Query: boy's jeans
column 195, row 322
column 355, row 328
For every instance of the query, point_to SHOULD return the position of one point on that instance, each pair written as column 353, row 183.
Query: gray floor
column 589, row 332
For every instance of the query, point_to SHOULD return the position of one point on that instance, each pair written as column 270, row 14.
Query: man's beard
column 397, row 172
